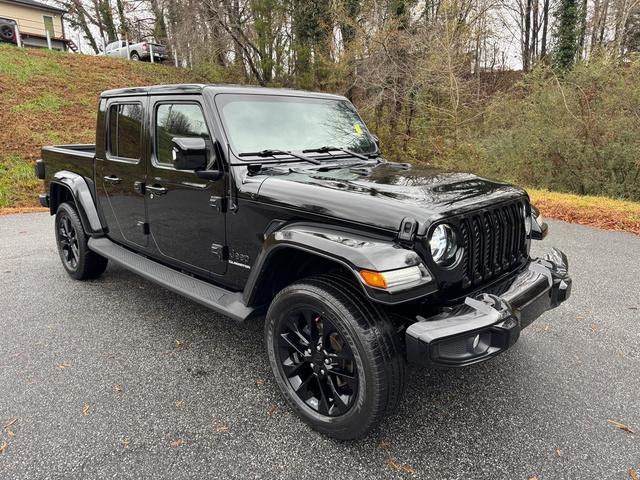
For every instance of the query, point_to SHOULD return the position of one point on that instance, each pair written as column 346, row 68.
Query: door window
column 177, row 120
column 125, row 130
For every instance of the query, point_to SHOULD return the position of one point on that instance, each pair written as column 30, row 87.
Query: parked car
column 8, row 30
column 136, row 51
column 277, row 205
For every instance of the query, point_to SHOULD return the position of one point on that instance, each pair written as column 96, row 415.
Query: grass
column 599, row 212
column 43, row 103
column 15, row 171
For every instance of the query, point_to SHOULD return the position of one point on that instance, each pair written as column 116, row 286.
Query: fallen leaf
column 535, row 477
column 118, row 388
column 384, row 444
column 579, row 317
column 3, row 447
column 85, row 410
column 547, row 327
column 399, row 467
column 558, row 452
column 272, row 410
column 10, row 422
column 260, row 381
column 221, row 427
column 176, row 443
column 594, row 327
column 621, row 426
column 633, row 475
column 125, row 442
column 179, row 344
column 64, row 365
column 11, row 433
column 179, row 404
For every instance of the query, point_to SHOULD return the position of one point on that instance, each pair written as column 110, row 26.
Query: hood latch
column 407, row 231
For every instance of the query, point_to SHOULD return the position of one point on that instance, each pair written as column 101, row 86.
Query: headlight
column 442, row 243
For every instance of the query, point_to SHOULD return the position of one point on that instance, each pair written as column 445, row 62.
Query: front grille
column 494, row 242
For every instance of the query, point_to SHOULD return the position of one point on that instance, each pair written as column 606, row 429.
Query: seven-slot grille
column 494, row 241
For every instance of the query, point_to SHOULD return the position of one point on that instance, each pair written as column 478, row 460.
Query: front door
column 120, row 175
column 187, row 225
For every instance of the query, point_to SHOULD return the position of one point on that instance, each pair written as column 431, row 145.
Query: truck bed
column 77, row 158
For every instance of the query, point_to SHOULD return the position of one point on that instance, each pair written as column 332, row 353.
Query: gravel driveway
column 118, row 378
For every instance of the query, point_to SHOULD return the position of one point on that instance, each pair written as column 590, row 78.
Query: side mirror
column 189, row 153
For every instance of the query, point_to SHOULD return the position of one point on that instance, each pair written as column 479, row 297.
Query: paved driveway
column 119, row 378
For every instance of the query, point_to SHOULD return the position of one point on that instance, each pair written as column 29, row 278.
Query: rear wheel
column 79, row 262
column 135, row 57
column 336, row 357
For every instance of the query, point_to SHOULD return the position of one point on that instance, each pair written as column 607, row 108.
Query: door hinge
column 219, row 203
column 138, row 187
column 144, row 226
column 408, row 228
column 220, row 251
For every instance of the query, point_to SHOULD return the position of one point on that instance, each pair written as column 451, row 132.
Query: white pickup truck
column 136, row 51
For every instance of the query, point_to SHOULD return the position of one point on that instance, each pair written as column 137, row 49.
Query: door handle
column 112, row 179
column 156, row 190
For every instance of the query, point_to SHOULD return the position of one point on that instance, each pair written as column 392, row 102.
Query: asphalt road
column 117, row 378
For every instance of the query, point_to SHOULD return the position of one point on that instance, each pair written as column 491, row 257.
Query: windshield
column 255, row 123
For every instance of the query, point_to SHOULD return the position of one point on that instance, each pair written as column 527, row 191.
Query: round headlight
column 442, row 244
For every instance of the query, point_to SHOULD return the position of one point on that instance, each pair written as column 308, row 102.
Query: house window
column 48, row 25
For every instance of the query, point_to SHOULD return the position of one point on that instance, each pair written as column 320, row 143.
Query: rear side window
column 177, row 120
column 125, row 130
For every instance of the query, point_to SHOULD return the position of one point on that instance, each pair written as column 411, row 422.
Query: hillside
column 50, row 98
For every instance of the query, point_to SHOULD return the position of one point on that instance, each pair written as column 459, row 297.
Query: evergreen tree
column 567, row 34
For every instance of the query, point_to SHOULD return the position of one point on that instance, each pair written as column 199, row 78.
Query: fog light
column 476, row 341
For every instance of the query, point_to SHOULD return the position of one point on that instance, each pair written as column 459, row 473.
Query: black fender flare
column 351, row 249
column 82, row 197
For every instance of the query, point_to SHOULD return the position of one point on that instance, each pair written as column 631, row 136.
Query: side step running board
column 216, row 298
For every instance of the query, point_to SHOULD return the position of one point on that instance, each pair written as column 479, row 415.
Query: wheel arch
column 71, row 187
column 299, row 250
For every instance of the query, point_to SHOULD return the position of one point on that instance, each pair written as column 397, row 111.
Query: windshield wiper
column 273, row 153
column 339, row 149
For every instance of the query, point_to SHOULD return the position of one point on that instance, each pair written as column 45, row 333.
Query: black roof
column 196, row 88
column 41, row 6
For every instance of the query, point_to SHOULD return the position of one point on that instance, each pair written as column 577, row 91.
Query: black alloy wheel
column 336, row 357
column 317, row 362
column 67, row 241
column 79, row 262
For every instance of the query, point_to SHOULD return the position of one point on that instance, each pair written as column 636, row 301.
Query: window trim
column 116, row 158
column 154, row 126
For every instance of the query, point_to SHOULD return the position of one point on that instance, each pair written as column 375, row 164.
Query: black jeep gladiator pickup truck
column 277, row 205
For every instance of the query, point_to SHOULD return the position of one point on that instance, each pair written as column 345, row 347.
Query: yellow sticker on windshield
column 357, row 128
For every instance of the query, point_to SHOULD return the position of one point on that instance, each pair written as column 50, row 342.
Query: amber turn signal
column 373, row 279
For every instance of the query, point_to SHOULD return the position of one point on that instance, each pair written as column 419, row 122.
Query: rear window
column 125, row 130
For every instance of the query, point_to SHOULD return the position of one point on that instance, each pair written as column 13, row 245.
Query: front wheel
column 336, row 357
column 79, row 262
column 135, row 57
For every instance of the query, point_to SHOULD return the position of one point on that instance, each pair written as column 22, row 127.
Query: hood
column 382, row 194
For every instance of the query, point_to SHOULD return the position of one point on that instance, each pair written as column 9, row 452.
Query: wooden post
column 151, row 52
column 48, row 39
column 126, row 40
column 18, row 37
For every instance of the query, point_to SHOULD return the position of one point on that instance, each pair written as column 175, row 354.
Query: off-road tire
column 87, row 264
column 371, row 336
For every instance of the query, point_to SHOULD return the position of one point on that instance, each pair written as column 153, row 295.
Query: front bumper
column 484, row 326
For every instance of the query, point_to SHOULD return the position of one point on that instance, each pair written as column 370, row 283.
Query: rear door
column 186, row 221
column 121, row 171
